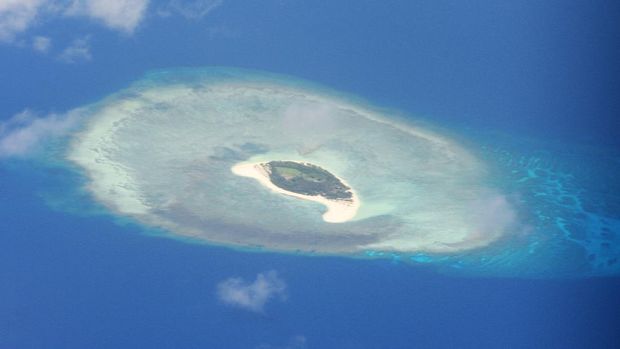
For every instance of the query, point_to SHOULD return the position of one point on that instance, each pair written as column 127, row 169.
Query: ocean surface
column 74, row 281
column 531, row 88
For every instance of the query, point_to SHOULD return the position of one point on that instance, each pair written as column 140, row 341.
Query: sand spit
column 338, row 211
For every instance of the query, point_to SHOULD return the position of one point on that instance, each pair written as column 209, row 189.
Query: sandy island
column 338, row 211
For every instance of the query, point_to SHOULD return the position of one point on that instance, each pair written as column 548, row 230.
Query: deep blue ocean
column 534, row 85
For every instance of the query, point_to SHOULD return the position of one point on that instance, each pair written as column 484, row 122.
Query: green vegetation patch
column 307, row 179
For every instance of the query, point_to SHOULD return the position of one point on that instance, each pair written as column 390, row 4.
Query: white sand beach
column 338, row 211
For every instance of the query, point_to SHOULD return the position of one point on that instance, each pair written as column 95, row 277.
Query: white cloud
column 492, row 215
column 78, row 51
column 303, row 119
column 41, row 44
column 189, row 9
column 17, row 16
column 25, row 131
column 122, row 15
column 252, row 296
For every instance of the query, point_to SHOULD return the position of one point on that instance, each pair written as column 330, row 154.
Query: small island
column 306, row 181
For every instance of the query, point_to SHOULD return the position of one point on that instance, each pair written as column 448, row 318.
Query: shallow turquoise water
column 498, row 76
column 564, row 195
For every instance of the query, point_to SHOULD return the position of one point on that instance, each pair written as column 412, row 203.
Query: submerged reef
column 266, row 162
column 162, row 150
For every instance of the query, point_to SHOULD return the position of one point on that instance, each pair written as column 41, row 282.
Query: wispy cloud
column 190, row 9
column 16, row 16
column 78, row 51
column 252, row 296
column 310, row 118
column 41, row 44
column 122, row 15
column 25, row 131
column 493, row 213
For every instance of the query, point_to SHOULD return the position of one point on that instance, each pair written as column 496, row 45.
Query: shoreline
column 338, row 211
